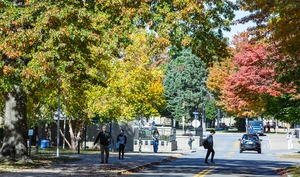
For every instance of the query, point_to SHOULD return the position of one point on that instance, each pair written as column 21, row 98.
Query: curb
column 140, row 167
column 283, row 172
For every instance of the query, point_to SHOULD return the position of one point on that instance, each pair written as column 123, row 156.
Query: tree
column 211, row 110
column 43, row 44
column 134, row 88
column 285, row 108
column 245, row 90
column 218, row 74
column 185, row 85
column 277, row 22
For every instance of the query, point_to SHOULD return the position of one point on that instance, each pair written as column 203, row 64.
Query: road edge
column 140, row 167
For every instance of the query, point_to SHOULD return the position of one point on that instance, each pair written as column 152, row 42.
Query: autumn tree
column 43, row 50
column 134, row 87
column 255, row 78
column 278, row 22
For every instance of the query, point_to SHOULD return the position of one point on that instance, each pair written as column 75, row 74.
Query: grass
column 52, row 150
column 45, row 157
column 291, row 156
column 294, row 171
column 39, row 160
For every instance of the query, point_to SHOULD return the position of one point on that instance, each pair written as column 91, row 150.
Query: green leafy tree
column 185, row 85
column 211, row 110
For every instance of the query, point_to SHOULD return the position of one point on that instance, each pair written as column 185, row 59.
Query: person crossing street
column 210, row 147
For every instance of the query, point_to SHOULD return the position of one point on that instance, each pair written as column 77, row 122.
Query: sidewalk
column 278, row 144
column 90, row 165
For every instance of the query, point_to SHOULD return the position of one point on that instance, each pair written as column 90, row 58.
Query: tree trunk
column 75, row 127
column 14, row 146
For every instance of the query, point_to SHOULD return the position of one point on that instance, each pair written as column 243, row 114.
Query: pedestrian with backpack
column 209, row 145
column 121, row 141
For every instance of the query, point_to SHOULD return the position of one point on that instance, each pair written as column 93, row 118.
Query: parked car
column 224, row 126
column 256, row 127
column 250, row 142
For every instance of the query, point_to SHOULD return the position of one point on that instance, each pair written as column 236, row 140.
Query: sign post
column 196, row 120
column 30, row 134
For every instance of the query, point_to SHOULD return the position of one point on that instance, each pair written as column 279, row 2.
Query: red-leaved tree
column 255, row 78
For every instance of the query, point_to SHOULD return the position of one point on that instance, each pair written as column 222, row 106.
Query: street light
column 58, row 119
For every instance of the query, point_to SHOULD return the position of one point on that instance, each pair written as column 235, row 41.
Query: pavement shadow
column 246, row 168
column 90, row 166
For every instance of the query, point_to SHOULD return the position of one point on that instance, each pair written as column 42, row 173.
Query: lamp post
column 58, row 119
column 204, row 118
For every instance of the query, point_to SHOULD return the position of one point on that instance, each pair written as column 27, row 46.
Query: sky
column 240, row 27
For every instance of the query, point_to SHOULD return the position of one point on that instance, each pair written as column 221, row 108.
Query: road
column 229, row 162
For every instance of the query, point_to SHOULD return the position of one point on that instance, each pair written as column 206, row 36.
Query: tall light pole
column 58, row 119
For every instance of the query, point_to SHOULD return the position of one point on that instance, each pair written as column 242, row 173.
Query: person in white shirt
column 290, row 140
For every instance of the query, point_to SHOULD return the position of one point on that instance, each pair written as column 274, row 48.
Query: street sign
column 196, row 123
column 196, row 114
column 30, row 132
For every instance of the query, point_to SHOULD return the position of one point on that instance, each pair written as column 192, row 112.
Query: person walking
column 268, row 126
column 104, row 137
column 121, row 140
column 191, row 139
column 290, row 140
column 210, row 147
column 155, row 137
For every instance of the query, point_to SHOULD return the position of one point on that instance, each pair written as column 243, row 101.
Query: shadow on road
column 231, row 167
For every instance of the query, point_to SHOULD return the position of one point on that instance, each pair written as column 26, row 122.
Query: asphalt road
column 229, row 162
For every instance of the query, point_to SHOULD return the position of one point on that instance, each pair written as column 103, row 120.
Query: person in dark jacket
column 121, row 140
column 210, row 148
column 104, row 137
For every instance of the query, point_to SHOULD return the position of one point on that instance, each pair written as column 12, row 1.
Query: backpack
column 122, row 139
column 205, row 144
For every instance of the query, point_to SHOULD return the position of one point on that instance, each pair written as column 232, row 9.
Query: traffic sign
column 196, row 123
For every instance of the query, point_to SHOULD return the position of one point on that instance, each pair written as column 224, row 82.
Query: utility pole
column 58, row 120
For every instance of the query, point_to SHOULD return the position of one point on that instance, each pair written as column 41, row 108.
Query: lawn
column 39, row 160
column 44, row 157
column 294, row 171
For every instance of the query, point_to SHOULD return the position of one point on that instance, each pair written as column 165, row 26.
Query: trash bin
column 45, row 143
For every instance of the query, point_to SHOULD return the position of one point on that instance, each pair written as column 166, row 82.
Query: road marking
column 205, row 172
column 236, row 144
column 231, row 153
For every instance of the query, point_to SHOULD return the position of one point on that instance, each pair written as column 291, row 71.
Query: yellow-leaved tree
column 134, row 87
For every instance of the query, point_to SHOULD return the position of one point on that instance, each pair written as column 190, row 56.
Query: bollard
column 78, row 146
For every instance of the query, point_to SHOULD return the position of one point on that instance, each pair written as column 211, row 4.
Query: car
column 223, row 126
column 250, row 142
column 256, row 127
